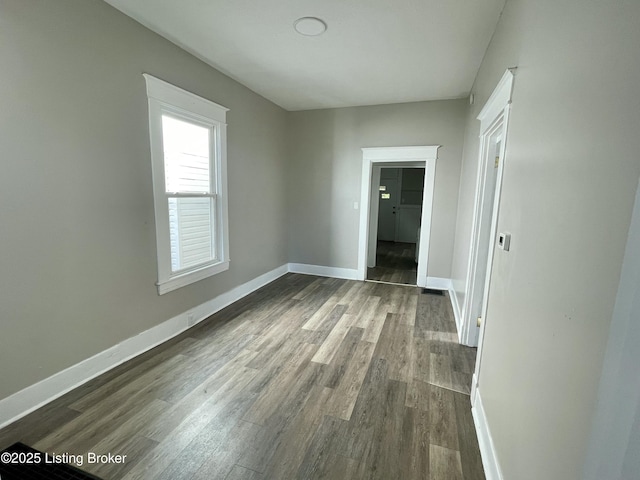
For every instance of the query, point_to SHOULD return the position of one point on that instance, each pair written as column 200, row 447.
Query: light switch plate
column 504, row 241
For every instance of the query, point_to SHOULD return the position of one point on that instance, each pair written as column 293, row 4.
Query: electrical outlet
column 190, row 319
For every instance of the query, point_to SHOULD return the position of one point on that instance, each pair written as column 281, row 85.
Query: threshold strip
column 450, row 389
column 391, row 283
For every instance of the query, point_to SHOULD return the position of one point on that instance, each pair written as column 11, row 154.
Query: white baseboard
column 33, row 397
column 321, row 271
column 456, row 311
column 474, row 388
column 438, row 283
column 490, row 462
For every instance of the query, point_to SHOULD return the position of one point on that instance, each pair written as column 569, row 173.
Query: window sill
column 185, row 279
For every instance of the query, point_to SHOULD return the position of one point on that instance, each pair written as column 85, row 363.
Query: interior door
column 494, row 121
column 409, row 212
column 389, row 200
column 487, row 229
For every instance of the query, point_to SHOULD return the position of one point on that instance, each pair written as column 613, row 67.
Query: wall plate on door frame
column 504, row 241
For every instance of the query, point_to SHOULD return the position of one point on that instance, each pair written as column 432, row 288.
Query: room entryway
column 400, row 191
column 397, row 200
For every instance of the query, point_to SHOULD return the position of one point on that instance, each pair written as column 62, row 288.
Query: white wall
column 614, row 447
column 325, row 165
column 631, row 460
column 78, row 256
column 571, row 171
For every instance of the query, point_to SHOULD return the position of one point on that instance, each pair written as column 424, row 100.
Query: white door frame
column 494, row 119
column 372, row 159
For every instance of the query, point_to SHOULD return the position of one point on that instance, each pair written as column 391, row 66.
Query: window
column 188, row 155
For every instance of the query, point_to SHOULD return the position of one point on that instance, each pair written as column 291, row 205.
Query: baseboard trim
column 33, row 397
column 438, row 283
column 322, row 271
column 456, row 312
column 490, row 462
column 474, row 388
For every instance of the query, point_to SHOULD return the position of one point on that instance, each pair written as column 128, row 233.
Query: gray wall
column 615, row 435
column 324, row 175
column 78, row 256
column 571, row 171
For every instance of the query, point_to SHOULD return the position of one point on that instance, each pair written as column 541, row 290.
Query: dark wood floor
column 307, row 378
column 395, row 263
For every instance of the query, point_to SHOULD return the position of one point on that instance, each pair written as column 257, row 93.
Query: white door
column 409, row 212
column 494, row 120
column 486, row 230
column 389, row 200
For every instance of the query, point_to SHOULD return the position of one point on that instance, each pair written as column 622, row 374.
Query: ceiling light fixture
column 310, row 26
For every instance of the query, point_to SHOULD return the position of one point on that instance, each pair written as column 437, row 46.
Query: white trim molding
column 168, row 101
column 322, row 271
column 401, row 154
column 33, row 397
column 457, row 315
column 500, row 97
column 492, row 470
column 166, row 92
column 494, row 119
column 438, row 283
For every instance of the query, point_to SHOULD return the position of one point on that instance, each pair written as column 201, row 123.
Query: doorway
column 400, row 192
column 374, row 161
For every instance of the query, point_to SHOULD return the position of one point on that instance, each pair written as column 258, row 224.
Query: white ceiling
column 373, row 52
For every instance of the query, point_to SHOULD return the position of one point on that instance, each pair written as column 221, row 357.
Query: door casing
column 372, row 160
column 494, row 121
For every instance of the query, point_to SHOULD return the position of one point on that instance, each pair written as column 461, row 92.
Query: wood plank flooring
column 307, row 378
column 395, row 263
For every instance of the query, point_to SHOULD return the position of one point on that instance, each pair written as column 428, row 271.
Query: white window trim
column 164, row 97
